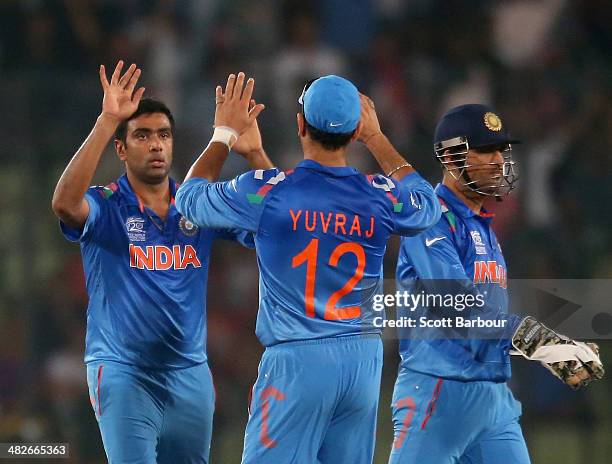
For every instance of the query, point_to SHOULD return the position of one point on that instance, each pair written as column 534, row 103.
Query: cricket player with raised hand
column 451, row 403
column 320, row 235
column 146, row 272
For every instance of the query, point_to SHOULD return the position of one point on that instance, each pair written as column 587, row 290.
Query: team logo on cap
column 188, row 227
column 492, row 122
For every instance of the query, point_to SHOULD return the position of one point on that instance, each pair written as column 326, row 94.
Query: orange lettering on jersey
column 503, row 277
column 141, row 259
column 340, row 223
column 490, row 271
column 481, row 272
column 492, row 265
column 356, row 226
column 176, row 257
column 370, row 232
column 190, row 257
column 313, row 220
column 295, row 217
column 325, row 225
column 311, row 227
column 161, row 258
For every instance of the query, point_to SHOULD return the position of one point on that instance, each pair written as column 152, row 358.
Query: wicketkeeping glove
column 575, row 363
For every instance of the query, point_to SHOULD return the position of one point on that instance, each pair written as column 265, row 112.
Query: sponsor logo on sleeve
column 430, row 242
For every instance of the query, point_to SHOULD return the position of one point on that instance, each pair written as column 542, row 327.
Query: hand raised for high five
column 234, row 105
column 120, row 101
column 391, row 162
column 249, row 142
column 369, row 120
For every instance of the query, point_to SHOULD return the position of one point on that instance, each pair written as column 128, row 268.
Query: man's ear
column 120, row 149
column 301, row 123
column 450, row 166
column 357, row 132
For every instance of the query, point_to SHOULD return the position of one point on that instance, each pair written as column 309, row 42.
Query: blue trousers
column 315, row 402
column 440, row 421
column 152, row 416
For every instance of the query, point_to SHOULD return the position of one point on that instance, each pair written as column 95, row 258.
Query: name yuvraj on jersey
column 332, row 223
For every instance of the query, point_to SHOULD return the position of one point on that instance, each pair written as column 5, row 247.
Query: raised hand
column 249, row 142
column 234, row 105
column 120, row 101
column 369, row 119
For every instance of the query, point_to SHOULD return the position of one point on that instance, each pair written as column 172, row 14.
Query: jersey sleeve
column 97, row 198
column 234, row 204
column 415, row 205
column 432, row 255
column 432, row 258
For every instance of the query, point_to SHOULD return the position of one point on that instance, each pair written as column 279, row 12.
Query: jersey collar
column 332, row 171
column 458, row 206
column 132, row 199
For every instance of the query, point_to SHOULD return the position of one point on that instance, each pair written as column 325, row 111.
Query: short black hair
column 146, row 106
column 328, row 140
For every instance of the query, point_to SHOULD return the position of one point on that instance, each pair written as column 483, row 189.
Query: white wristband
column 225, row 135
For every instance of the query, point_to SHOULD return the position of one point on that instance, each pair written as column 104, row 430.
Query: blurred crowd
column 545, row 66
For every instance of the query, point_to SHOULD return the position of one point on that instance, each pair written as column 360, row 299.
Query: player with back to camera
column 320, row 234
column 451, row 403
column 146, row 271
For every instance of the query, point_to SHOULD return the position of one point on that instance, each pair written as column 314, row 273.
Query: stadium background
column 545, row 65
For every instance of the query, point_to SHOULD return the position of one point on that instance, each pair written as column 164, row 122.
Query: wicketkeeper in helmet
column 451, row 403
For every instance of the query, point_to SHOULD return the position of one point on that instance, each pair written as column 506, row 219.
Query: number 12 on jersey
column 309, row 256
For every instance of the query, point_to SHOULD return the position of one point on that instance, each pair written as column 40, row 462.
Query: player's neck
column 154, row 196
column 473, row 201
column 336, row 158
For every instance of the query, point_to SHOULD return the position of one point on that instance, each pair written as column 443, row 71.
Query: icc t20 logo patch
column 135, row 229
column 478, row 243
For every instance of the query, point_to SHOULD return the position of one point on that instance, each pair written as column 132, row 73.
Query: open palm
column 120, row 101
column 235, row 108
column 250, row 140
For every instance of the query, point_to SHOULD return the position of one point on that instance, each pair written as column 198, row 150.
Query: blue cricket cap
column 331, row 104
column 478, row 123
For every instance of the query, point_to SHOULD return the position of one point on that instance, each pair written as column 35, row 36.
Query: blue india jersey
column 459, row 254
column 320, row 236
column 146, row 279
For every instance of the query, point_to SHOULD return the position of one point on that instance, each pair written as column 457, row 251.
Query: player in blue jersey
column 146, row 271
column 320, row 234
column 451, row 403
